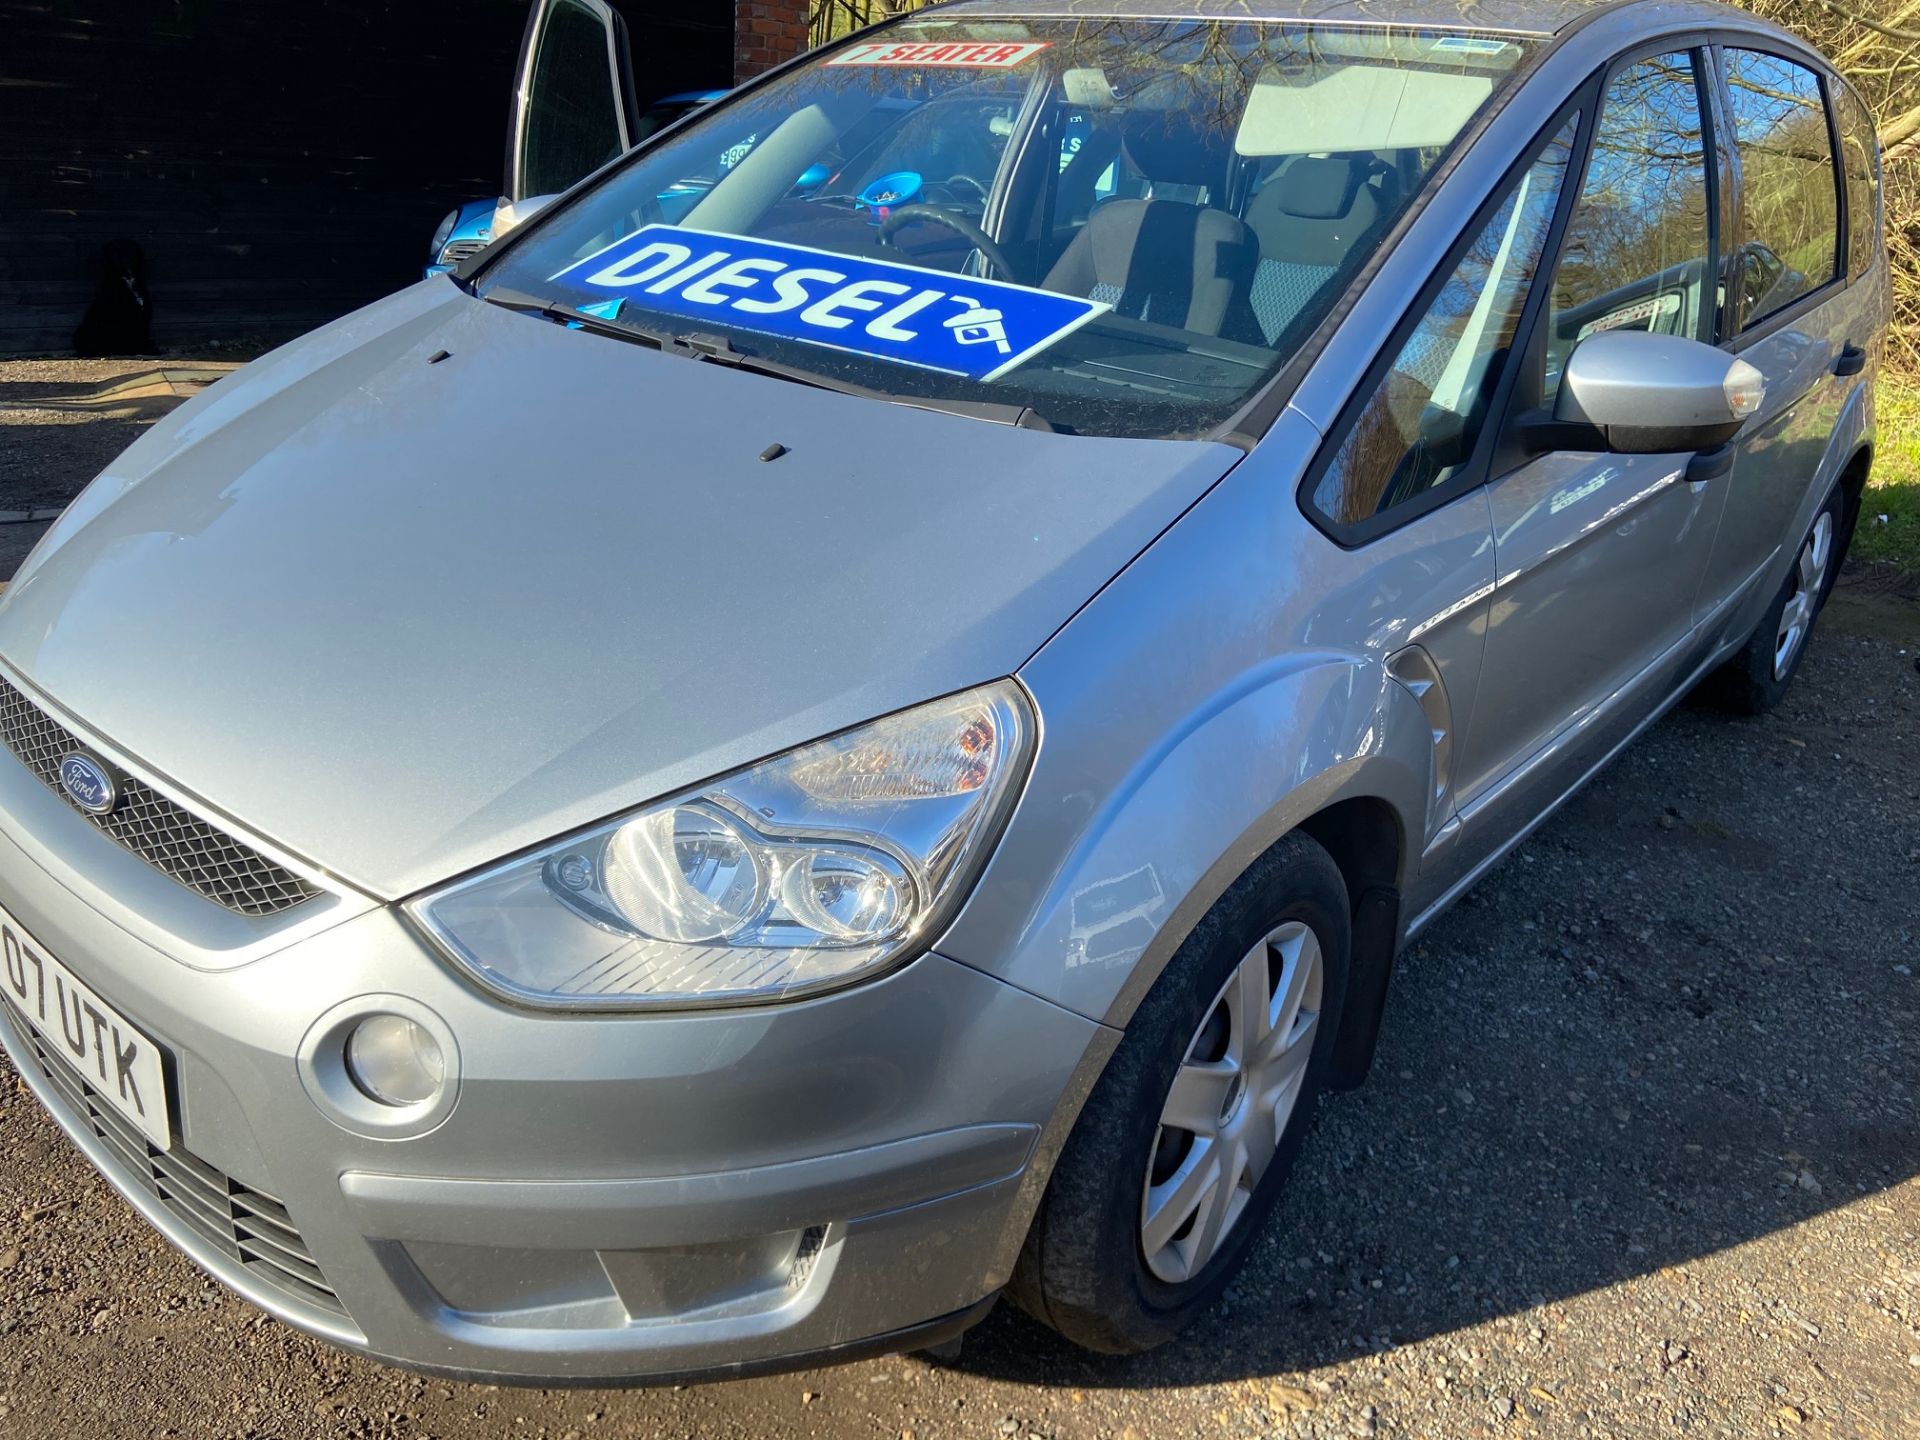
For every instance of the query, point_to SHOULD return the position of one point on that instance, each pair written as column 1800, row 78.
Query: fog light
column 395, row 1061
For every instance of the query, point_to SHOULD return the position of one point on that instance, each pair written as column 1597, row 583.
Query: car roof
column 1513, row 17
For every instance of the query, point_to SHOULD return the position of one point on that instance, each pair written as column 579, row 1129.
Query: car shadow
column 1673, row 1021
column 141, row 392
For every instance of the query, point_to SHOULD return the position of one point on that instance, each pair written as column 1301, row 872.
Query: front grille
column 243, row 1224
column 454, row 251
column 169, row 838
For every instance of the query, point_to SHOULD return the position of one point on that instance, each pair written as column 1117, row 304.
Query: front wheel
column 1185, row 1143
column 1756, row 679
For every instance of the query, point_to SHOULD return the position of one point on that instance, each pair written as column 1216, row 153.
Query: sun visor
column 1357, row 107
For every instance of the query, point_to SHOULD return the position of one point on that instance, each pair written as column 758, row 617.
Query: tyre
column 1756, row 679
column 1184, row 1145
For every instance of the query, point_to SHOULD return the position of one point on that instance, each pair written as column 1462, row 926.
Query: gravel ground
column 55, row 435
column 48, row 439
column 1641, row 1156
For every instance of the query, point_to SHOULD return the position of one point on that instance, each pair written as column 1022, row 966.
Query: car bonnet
column 403, row 615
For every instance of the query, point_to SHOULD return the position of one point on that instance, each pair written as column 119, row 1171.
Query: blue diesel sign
column 926, row 318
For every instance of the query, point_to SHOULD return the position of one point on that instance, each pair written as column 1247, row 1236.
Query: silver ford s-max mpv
column 852, row 718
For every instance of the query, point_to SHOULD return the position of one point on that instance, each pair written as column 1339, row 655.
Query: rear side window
column 1860, row 162
column 1637, row 250
column 1791, row 198
column 1421, row 423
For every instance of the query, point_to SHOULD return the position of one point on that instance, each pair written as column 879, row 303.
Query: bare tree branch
column 1901, row 132
column 1892, row 32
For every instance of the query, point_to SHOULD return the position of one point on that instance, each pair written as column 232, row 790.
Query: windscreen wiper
column 719, row 350
column 522, row 303
column 519, row 300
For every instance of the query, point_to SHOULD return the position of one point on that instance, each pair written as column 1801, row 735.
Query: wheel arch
column 1368, row 843
column 1854, row 475
column 1085, row 904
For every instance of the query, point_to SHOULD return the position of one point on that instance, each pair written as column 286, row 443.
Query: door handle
column 1852, row 361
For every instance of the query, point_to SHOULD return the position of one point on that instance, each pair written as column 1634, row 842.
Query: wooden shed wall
column 279, row 163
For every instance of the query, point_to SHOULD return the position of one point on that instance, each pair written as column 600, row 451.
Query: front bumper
column 606, row 1198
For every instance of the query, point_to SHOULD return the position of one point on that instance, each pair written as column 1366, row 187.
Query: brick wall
column 766, row 32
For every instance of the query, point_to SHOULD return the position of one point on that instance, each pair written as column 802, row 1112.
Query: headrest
column 1167, row 147
column 1320, row 187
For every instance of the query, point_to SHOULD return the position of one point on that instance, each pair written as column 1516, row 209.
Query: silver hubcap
column 1809, row 576
column 1230, row 1102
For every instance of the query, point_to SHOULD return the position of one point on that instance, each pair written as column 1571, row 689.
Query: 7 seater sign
column 930, row 319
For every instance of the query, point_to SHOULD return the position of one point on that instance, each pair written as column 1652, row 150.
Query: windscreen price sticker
column 930, row 319
column 968, row 55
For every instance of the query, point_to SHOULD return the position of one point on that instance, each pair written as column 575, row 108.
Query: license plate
column 95, row 1040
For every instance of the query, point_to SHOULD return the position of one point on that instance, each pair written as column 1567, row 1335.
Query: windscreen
column 1122, row 225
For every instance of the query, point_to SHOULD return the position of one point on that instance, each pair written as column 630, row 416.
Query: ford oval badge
column 88, row 783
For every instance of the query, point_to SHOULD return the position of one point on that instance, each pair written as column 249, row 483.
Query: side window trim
column 1473, row 474
column 1843, row 198
column 1839, row 90
column 1706, row 72
column 1780, row 319
column 1724, row 156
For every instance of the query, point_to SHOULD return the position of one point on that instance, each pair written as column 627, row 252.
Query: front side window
column 576, row 127
column 1422, row 422
column 1790, row 197
column 1860, row 160
column 1637, row 250
column 1122, row 225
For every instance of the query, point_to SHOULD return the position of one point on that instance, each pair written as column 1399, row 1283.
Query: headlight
column 817, row 868
column 443, row 233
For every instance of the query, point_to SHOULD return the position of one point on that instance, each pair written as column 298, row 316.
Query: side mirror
column 1652, row 394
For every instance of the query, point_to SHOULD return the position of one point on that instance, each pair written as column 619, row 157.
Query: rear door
column 1788, row 311
column 573, row 103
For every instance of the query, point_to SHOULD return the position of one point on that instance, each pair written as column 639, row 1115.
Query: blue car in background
column 465, row 231
column 470, row 225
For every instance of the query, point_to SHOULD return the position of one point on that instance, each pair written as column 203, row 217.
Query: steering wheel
column 970, row 182
column 907, row 215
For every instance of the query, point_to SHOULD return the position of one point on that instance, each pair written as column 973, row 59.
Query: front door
column 573, row 103
column 1600, row 557
column 1401, row 486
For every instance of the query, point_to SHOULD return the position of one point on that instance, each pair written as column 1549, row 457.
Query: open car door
column 573, row 103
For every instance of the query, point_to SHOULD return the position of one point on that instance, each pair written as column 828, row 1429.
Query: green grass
column 1894, row 490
